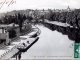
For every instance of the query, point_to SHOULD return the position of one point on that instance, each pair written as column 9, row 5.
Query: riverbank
column 73, row 33
column 58, row 23
column 8, row 52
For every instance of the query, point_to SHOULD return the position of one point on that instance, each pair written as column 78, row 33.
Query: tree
column 42, row 17
column 20, row 21
column 29, row 18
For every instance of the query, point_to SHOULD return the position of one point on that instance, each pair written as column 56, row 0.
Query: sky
column 38, row 4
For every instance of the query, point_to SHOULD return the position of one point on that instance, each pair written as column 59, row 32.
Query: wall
column 3, row 35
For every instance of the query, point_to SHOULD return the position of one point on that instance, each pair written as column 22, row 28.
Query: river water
column 51, row 44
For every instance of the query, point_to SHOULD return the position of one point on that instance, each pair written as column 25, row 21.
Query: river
column 51, row 45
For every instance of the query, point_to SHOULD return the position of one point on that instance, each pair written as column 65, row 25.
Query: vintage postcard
column 39, row 29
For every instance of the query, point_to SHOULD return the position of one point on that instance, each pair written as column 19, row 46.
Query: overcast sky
column 40, row 4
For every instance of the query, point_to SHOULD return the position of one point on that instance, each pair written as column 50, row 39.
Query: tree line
column 72, row 17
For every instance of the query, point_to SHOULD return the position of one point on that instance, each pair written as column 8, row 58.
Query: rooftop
column 8, row 25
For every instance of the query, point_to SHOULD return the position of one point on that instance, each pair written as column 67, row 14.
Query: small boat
column 22, row 49
column 36, row 34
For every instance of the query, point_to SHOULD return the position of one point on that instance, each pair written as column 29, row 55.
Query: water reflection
column 73, row 33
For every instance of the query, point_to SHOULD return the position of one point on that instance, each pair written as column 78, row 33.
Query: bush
column 12, row 33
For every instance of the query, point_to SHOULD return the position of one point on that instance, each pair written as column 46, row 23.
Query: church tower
column 68, row 8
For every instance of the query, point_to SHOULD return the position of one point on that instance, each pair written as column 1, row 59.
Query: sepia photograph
column 39, row 29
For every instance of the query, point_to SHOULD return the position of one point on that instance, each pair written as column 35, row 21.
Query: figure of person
column 19, row 56
column 16, row 57
column 24, row 44
column 28, row 42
